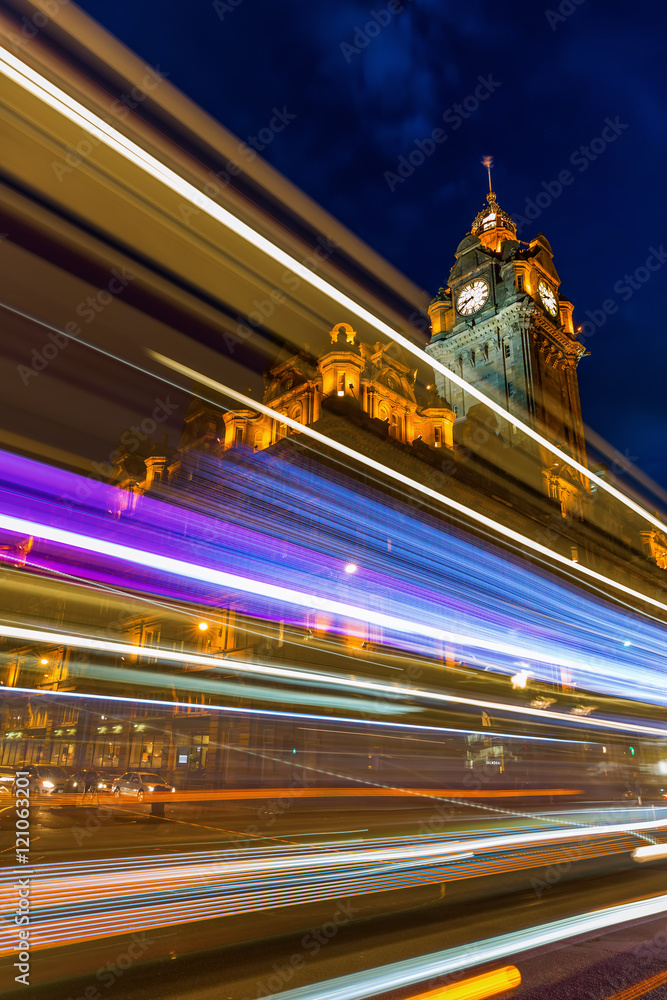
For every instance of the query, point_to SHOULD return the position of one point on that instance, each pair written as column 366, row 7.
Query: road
column 476, row 878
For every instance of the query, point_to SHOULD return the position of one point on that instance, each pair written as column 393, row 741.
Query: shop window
column 151, row 753
column 192, row 752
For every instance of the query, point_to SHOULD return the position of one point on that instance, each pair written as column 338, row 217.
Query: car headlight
column 47, row 784
column 101, row 784
column 173, row 789
column 150, row 788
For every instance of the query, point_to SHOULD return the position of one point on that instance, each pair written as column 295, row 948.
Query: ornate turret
column 492, row 225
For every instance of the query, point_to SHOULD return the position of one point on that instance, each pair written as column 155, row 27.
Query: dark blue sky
column 557, row 73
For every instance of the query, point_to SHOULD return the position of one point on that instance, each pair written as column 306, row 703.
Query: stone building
column 503, row 326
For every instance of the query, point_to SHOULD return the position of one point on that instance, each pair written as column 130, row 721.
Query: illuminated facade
column 377, row 377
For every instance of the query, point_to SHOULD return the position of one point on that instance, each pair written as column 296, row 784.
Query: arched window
column 395, row 426
column 383, row 411
column 296, row 413
column 259, row 440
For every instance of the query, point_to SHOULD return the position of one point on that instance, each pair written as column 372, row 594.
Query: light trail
column 179, row 567
column 96, row 899
column 489, row 984
column 634, row 671
column 383, row 979
column 571, row 568
column 56, row 98
column 496, row 526
column 639, row 989
column 560, row 627
column 306, row 676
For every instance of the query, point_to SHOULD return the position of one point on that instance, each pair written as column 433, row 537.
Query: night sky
column 367, row 81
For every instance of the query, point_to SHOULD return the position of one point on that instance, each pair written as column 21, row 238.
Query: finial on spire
column 487, row 161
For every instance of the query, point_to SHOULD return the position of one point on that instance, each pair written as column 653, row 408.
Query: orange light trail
column 489, row 984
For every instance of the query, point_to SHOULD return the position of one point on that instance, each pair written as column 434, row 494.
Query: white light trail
column 501, row 529
column 656, row 852
column 387, row 978
column 288, row 673
column 56, row 98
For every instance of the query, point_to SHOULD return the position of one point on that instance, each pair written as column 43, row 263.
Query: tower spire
column 487, row 161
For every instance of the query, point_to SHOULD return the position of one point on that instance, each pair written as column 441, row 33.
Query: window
column 510, row 389
column 395, row 428
column 238, row 435
column 519, row 282
column 259, row 440
column 437, row 433
column 151, row 637
column 508, row 350
column 341, row 383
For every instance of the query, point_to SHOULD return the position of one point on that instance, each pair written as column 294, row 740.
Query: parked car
column 46, row 779
column 90, row 779
column 138, row 784
column 7, row 775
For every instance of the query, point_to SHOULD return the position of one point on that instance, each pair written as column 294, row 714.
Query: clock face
column 548, row 298
column 472, row 297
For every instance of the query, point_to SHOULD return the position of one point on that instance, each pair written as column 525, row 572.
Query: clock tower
column 503, row 326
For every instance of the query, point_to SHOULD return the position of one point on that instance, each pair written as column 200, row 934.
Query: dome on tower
column 467, row 243
column 493, row 218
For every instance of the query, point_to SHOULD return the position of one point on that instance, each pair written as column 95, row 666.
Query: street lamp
column 202, row 626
